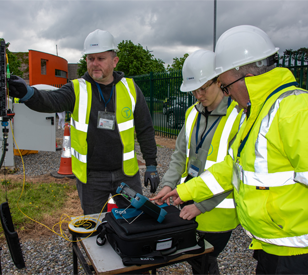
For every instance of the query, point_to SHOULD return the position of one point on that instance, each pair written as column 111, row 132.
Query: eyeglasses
column 225, row 89
column 201, row 90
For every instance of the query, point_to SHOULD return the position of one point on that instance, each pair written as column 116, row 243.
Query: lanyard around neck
column 274, row 92
column 208, row 131
column 100, row 91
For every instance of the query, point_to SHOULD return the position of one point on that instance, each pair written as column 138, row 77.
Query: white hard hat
column 242, row 45
column 198, row 69
column 99, row 41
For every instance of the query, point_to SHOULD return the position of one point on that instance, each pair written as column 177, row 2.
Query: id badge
column 236, row 176
column 105, row 120
column 194, row 167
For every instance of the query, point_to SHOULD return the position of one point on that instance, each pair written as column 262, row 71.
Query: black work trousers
column 100, row 184
column 219, row 241
column 273, row 264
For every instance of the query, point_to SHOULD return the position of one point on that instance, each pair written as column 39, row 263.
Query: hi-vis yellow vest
column 223, row 217
column 125, row 102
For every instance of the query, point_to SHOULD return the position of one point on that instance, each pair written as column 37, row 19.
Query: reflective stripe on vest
column 243, row 117
column 124, row 126
column 223, row 144
column 211, row 183
column 82, row 158
column 190, row 121
column 81, row 125
column 124, row 81
column 266, row 180
column 226, row 203
column 298, row 241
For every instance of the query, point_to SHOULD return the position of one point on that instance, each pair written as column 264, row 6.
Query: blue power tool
column 141, row 202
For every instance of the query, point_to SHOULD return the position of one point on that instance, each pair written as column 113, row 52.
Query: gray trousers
column 95, row 193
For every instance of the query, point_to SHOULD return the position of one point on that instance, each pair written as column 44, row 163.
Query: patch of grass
column 37, row 200
column 6, row 183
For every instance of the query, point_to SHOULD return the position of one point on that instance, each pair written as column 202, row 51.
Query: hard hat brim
column 99, row 51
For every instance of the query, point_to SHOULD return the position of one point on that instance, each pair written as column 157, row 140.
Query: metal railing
column 167, row 104
column 298, row 64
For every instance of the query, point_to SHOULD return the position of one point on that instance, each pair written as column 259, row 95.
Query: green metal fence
column 167, row 104
column 298, row 64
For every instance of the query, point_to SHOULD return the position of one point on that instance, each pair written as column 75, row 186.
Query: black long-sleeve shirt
column 104, row 146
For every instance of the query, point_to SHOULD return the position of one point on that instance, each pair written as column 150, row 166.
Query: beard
column 102, row 76
column 98, row 78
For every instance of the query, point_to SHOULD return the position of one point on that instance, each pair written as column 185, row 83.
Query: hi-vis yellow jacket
column 125, row 100
column 223, row 217
column 268, row 167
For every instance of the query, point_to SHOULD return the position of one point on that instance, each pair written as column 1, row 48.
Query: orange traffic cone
column 65, row 169
column 111, row 204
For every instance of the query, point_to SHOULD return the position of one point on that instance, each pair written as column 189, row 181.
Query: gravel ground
column 54, row 256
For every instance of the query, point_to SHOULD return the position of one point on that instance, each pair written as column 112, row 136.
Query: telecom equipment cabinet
column 32, row 130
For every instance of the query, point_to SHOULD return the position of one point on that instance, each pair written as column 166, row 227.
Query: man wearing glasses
column 267, row 165
column 209, row 126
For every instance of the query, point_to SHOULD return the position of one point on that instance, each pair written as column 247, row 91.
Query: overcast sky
column 167, row 28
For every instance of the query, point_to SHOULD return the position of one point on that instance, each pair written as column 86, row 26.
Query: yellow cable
column 8, row 92
column 66, row 219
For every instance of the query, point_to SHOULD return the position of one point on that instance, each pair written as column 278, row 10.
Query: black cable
column 4, row 145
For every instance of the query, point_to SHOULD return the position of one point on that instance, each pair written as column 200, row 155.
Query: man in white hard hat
column 210, row 124
column 107, row 109
column 267, row 164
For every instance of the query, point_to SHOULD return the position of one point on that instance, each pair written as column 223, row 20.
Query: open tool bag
column 140, row 239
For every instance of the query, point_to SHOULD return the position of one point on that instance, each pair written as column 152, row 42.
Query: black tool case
column 143, row 240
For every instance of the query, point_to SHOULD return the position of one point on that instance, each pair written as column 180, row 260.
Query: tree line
column 137, row 60
column 14, row 62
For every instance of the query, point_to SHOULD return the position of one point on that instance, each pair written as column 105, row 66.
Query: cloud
column 168, row 28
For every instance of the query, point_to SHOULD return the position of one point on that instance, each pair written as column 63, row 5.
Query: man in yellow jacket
column 267, row 165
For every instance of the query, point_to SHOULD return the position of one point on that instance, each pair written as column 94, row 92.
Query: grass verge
column 38, row 200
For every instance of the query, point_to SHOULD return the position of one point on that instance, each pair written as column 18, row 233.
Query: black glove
column 17, row 86
column 151, row 176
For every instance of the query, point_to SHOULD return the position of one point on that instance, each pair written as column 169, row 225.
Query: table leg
column 0, row 260
column 75, row 260
column 77, row 255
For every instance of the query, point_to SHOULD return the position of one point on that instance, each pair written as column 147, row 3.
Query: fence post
column 295, row 66
column 301, row 74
